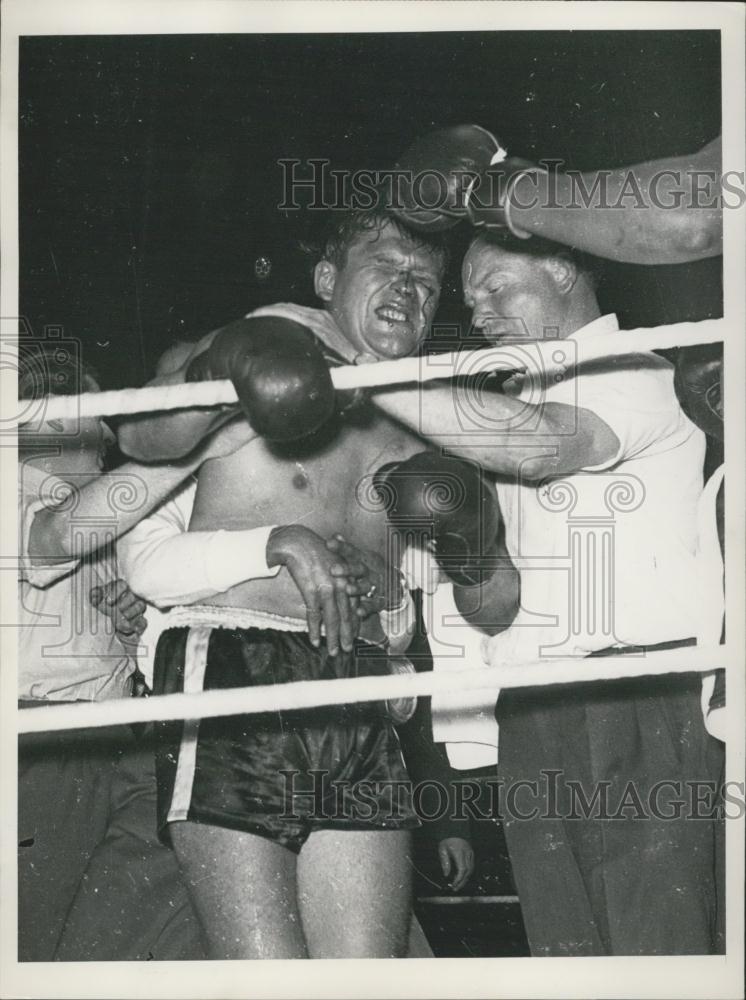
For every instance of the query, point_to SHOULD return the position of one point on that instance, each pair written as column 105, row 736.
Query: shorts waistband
column 217, row 616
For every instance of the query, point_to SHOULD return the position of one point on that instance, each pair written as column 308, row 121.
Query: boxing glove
column 281, row 379
column 488, row 199
column 697, row 381
column 456, row 173
column 436, row 172
column 450, row 502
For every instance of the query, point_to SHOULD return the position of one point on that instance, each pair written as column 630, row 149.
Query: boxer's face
column 385, row 296
column 514, row 296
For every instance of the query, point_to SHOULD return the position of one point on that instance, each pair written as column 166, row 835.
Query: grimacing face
column 512, row 296
column 386, row 294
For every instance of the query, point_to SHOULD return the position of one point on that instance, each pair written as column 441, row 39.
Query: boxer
column 325, row 881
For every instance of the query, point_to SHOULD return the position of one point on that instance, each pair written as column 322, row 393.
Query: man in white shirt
column 598, row 473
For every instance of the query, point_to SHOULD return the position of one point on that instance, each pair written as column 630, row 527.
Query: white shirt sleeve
column 166, row 564
column 637, row 401
column 37, row 491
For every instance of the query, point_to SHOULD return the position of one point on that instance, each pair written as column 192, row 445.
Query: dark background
column 149, row 181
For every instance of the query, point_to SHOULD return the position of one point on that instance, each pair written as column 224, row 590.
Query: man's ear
column 564, row 272
column 324, row 278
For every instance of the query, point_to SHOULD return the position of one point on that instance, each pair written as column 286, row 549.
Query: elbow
column 491, row 608
column 136, row 578
column 141, row 590
column 699, row 237
column 491, row 623
column 50, row 540
column 149, row 575
column 683, row 237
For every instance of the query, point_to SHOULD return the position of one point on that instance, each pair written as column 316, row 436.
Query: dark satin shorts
column 280, row 775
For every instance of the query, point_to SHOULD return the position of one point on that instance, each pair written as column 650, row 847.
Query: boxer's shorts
column 280, row 775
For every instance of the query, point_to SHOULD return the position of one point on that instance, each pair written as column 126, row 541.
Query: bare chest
column 326, row 486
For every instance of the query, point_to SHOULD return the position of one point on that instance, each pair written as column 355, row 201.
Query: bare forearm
column 552, row 439
column 660, row 212
column 158, row 437
column 105, row 508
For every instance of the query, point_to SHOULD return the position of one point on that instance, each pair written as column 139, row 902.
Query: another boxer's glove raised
column 490, row 199
column 698, row 384
column 439, row 168
column 449, row 501
column 458, row 173
column 281, row 378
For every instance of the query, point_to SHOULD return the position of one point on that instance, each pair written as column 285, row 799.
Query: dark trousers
column 642, row 873
column 94, row 883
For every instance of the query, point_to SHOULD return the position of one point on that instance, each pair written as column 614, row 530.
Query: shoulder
column 174, row 357
column 644, row 377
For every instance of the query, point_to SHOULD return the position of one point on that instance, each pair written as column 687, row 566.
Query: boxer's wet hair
column 345, row 227
column 542, row 249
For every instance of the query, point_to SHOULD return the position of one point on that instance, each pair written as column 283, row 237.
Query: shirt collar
column 604, row 324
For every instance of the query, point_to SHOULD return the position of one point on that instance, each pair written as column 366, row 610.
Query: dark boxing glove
column 440, row 166
column 698, row 384
column 281, row 378
column 456, row 173
column 449, row 501
column 488, row 200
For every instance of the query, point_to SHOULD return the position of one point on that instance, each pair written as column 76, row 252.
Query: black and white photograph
column 372, row 487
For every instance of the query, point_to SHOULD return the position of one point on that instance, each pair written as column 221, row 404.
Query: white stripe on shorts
column 195, row 664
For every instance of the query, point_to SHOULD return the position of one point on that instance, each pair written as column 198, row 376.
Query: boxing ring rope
column 316, row 693
column 545, row 355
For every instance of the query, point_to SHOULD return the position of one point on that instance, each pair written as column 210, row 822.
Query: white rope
column 312, row 694
column 542, row 356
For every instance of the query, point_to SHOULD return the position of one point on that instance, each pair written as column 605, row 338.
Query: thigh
column 354, row 888
column 244, row 890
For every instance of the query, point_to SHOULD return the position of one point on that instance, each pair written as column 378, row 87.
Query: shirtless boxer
column 315, row 885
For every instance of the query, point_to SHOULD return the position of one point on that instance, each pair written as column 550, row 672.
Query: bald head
column 517, row 295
